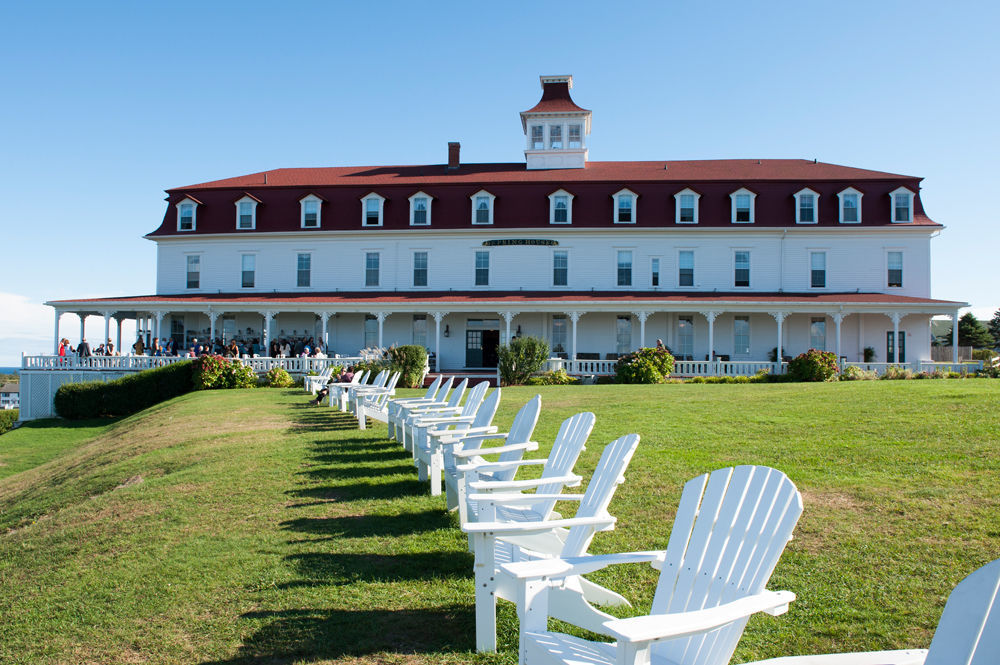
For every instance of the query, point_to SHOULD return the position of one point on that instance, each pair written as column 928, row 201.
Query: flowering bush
column 813, row 365
column 896, row 373
column 215, row 372
column 277, row 377
column 649, row 365
column 855, row 373
column 557, row 377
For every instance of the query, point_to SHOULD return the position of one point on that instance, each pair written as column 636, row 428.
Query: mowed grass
column 247, row 527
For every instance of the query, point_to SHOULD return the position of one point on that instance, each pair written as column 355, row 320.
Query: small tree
column 994, row 327
column 520, row 359
column 647, row 365
column 971, row 332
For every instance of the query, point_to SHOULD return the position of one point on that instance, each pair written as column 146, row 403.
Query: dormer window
column 482, row 207
column 902, row 205
column 187, row 214
column 686, row 206
column 742, row 206
column 537, row 137
column 246, row 213
column 806, row 207
column 560, row 207
column 555, row 137
column 850, row 206
column 310, row 209
column 371, row 210
column 624, row 208
column 420, row 209
column 575, row 137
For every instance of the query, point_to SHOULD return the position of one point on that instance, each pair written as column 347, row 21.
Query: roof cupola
column 556, row 128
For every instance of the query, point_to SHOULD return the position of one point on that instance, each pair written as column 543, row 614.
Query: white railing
column 919, row 366
column 139, row 363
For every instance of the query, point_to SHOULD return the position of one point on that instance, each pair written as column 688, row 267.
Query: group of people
column 168, row 346
column 83, row 349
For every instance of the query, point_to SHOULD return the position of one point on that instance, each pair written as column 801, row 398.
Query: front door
column 481, row 348
column 491, row 340
column 902, row 347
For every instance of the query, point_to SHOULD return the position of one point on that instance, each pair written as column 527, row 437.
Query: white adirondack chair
column 425, row 419
column 380, row 384
column 428, row 447
column 731, row 527
column 345, row 393
column 338, row 389
column 312, row 384
column 395, row 405
column 411, row 414
column 557, row 473
column 967, row 634
column 472, row 454
column 374, row 403
column 499, row 542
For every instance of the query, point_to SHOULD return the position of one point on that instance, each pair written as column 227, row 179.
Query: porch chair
column 411, row 414
column 496, row 542
column 968, row 632
column 395, row 405
column 730, row 529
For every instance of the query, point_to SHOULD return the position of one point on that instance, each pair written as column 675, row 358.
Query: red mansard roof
column 556, row 99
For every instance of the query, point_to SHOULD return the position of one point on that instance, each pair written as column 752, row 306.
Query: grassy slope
column 245, row 527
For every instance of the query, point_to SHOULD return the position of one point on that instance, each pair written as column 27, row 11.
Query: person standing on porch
column 83, row 350
column 139, row 348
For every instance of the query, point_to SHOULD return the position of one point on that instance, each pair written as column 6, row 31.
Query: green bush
column 7, row 419
column 125, row 396
column 855, row 373
column 986, row 355
column 520, row 359
column 213, row 372
column 557, row 377
column 648, row 365
column 409, row 360
column 277, row 377
column 813, row 365
column 869, row 354
column 374, row 366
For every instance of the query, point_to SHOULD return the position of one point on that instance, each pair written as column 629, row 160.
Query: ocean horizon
column 10, row 370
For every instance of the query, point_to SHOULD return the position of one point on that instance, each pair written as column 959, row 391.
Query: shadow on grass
column 307, row 635
column 327, row 569
column 401, row 488
column 323, row 420
column 360, row 458
column 360, row 472
column 364, row 526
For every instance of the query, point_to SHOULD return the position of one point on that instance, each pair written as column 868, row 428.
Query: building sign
column 520, row 241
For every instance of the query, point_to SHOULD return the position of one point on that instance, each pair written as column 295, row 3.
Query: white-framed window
column 310, row 210
column 194, row 271
column 559, row 334
column 560, row 207
column 817, row 333
column 372, row 207
column 248, row 270
column 624, row 265
column 741, row 267
column 538, row 137
column 685, row 337
column 420, row 330
column 371, row 331
column 575, row 137
column 817, row 270
column 741, row 336
column 187, row 215
column 623, row 334
column 560, row 267
column 894, row 268
column 303, row 269
column 555, row 137
column 902, row 205
column 420, row 268
column 685, row 267
column 654, row 271
column 246, row 213
column 372, row 260
column 420, row 209
column 850, row 206
column 742, row 204
column 686, row 206
column 806, row 206
column 482, row 207
column 482, row 268
column 624, row 207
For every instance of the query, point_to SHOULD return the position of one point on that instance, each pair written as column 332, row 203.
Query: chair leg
column 436, row 466
column 486, row 603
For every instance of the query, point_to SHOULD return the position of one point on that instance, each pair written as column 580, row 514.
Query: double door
column 481, row 347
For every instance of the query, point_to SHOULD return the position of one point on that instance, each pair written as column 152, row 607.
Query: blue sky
column 108, row 104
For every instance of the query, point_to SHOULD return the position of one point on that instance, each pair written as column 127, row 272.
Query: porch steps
column 473, row 376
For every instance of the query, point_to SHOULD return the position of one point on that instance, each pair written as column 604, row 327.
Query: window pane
column 371, row 331
column 560, row 268
column 895, row 263
column 371, row 268
column 561, row 209
column 742, row 207
column 655, row 270
column 685, row 275
column 193, row 272
column 742, row 269
column 850, row 211
column 420, row 329
column 304, row 269
column 625, row 208
column 559, row 334
column 555, row 137
column 575, row 137
column 902, row 208
column 817, row 262
column 187, row 217
column 310, row 211
column 687, row 208
column 623, row 335
column 249, row 262
column 372, row 211
column 482, row 268
column 420, row 269
column 537, row 140
column 817, row 334
column 419, row 211
column 807, row 208
column 741, row 335
column 624, row 268
column 482, row 210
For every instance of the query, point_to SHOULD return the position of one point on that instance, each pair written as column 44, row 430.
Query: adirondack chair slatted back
column 381, row 378
column 520, row 432
column 362, row 378
column 475, row 398
column 566, row 449
column 457, row 393
column 608, row 475
column 433, row 388
column 969, row 630
column 487, row 410
column 730, row 529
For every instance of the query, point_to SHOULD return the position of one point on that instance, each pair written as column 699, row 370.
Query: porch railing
column 139, row 363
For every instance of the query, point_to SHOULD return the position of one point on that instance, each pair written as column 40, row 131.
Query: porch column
column 710, row 316
column 118, row 327
column 213, row 316
column 574, row 317
column 954, row 337
column 83, row 325
column 642, row 316
column 438, row 317
column 780, row 317
column 56, row 334
column 837, row 317
column 107, row 325
column 896, row 316
column 159, row 323
column 268, row 316
column 325, row 317
column 508, row 317
column 381, row 316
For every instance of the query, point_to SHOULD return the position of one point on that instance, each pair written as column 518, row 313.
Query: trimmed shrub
column 212, row 372
column 124, row 396
column 813, row 365
column 855, row 373
column 896, row 373
column 557, row 377
column 648, row 365
column 409, row 360
column 277, row 377
column 520, row 359
column 7, row 419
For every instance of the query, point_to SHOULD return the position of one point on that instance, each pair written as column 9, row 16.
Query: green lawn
column 247, row 527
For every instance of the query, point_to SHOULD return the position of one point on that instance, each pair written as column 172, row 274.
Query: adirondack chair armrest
column 495, row 450
column 501, row 466
column 486, row 436
column 442, row 420
column 523, row 484
column 511, row 499
column 526, row 528
column 431, row 411
column 656, row 627
column 580, row 565
column 467, row 433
